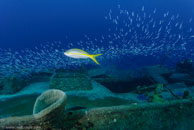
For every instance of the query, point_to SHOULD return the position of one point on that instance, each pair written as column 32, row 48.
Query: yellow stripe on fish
column 81, row 54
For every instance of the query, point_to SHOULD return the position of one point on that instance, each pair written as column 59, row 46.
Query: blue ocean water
column 140, row 32
column 130, row 34
column 29, row 23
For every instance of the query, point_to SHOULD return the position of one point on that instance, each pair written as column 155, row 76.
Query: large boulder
column 70, row 81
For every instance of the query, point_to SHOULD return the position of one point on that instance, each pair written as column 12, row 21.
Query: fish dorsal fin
column 81, row 50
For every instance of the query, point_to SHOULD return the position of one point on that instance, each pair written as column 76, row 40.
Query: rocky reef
column 168, row 115
column 155, row 98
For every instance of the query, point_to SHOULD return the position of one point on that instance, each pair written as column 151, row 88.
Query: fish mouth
column 65, row 53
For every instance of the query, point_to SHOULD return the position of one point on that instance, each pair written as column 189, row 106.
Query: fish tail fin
column 93, row 57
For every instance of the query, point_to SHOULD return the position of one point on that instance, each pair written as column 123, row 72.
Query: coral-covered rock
column 48, row 112
column 151, row 116
column 49, row 107
column 175, row 114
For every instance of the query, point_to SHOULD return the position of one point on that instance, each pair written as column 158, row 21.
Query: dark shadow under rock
column 124, row 86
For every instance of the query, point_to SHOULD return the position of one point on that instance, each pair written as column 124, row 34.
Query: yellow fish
column 80, row 54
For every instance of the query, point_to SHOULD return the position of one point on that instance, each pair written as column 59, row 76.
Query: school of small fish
column 130, row 34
